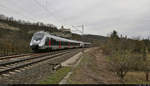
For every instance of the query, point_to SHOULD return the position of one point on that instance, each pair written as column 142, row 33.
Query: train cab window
column 38, row 36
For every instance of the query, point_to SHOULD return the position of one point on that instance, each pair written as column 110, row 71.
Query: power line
column 46, row 10
column 18, row 12
column 14, row 11
column 51, row 10
column 39, row 5
column 22, row 8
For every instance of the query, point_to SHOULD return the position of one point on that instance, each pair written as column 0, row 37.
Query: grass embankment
column 57, row 76
column 136, row 78
column 93, row 69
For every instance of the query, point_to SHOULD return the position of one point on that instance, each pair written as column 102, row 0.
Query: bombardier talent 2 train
column 43, row 40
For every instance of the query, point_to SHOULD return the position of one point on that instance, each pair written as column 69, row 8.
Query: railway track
column 20, row 56
column 15, row 56
column 10, row 65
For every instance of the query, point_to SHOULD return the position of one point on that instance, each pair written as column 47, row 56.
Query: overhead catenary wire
column 16, row 12
column 22, row 8
column 46, row 10
column 26, row 14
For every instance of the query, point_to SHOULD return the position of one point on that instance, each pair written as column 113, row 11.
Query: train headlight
column 38, row 41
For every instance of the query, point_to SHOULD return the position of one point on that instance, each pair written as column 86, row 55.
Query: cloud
column 128, row 17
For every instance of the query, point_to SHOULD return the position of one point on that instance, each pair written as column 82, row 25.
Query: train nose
column 34, row 46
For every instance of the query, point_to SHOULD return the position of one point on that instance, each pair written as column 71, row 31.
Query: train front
column 37, row 41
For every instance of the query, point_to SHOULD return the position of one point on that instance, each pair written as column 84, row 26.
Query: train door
column 54, row 44
column 47, row 42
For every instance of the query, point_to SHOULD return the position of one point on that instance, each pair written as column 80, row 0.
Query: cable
column 22, row 8
column 39, row 5
column 43, row 7
column 14, row 11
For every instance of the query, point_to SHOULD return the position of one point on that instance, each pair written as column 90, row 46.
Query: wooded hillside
column 16, row 34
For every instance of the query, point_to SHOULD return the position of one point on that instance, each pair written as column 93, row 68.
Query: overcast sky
column 128, row 17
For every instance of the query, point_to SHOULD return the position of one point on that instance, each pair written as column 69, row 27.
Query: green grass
column 57, row 76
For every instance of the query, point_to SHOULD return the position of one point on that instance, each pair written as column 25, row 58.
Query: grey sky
column 128, row 17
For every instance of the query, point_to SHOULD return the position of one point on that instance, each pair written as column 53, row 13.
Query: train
column 42, row 40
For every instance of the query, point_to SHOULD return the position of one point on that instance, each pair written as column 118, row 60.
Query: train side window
column 66, row 43
column 53, row 42
column 57, row 43
column 71, row 44
column 47, row 41
column 62, row 43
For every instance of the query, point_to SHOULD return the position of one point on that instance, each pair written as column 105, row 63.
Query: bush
column 120, row 62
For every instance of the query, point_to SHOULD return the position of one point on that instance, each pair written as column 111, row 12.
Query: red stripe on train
column 49, row 43
column 68, row 45
column 59, row 44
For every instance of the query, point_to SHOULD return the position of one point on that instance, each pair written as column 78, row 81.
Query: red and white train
column 43, row 40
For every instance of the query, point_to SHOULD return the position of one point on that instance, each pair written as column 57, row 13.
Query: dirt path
column 73, row 63
column 93, row 69
column 73, row 60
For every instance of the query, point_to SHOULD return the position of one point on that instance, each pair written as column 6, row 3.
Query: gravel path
column 72, row 62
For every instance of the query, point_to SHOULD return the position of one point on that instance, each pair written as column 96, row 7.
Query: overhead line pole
column 82, row 37
column 82, row 33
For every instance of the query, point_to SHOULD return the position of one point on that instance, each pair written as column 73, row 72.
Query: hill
column 95, row 39
column 16, row 34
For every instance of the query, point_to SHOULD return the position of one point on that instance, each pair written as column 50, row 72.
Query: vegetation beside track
column 93, row 69
column 135, row 78
column 129, row 58
column 57, row 76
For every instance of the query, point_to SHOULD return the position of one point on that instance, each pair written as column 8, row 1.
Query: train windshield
column 38, row 36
